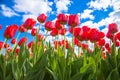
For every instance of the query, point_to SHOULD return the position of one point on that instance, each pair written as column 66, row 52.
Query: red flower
column 29, row 23
column 84, row 46
column 109, row 35
column 117, row 43
column 95, row 35
column 41, row 18
column 17, row 51
column 54, row 32
column 118, row 36
column 101, row 42
column 6, row 45
column 74, row 20
column 104, row 55
column 22, row 28
column 107, row 45
column 62, row 31
column 0, row 26
column 40, row 37
column 34, row 31
column 49, row 25
column 10, row 31
column 22, row 41
column 76, row 42
column 58, row 25
column 13, row 41
column 85, row 29
column 113, row 28
column 30, row 44
column 62, row 18
column 56, row 44
column 1, row 45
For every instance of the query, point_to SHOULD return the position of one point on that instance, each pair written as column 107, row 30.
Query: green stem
column 46, row 36
column 3, row 45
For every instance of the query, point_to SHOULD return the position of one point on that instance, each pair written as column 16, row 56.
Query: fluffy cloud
column 8, row 12
column 62, row 5
column 32, row 8
column 100, row 4
column 87, row 14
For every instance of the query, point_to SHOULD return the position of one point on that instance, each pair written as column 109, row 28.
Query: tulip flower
column 74, row 20
column 118, row 36
column 22, row 41
column 49, row 25
column 62, row 31
column 101, row 42
column 112, row 28
column 22, row 28
column 54, row 32
column 29, row 23
column 13, row 41
column 58, row 25
column 117, row 43
column 62, row 18
column 33, row 32
column 40, row 37
column 30, row 44
column 10, row 31
column 41, row 18
column 17, row 51
column 6, row 45
column 1, row 45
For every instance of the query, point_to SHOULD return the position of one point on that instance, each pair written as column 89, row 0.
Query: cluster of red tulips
column 61, row 55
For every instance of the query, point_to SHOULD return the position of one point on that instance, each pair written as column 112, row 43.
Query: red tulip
column 118, row 36
column 22, row 28
column 1, row 45
column 117, row 43
column 74, row 20
column 84, row 46
column 29, row 23
column 109, row 35
column 49, row 25
column 101, row 42
column 76, row 42
column 22, row 41
column 30, row 44
column 62, row 18
column 34, row 31
column 13, row 41
column 113, row 28
column 6, row 45
column 58, row 25
column 41, row 18
column 85, row 29
column 40, row 37
column 56, row 44
column 62, row 31
column 54, row 32
column 0, row 26
column 10, row 31
column 107, row 45
column 104, row 55
column 17, row 51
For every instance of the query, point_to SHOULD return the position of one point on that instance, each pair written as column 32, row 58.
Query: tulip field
column 39, row 59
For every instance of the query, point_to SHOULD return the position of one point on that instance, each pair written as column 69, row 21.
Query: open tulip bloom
column 60, row 59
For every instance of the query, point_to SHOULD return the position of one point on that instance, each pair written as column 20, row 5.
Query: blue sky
column 94, row 13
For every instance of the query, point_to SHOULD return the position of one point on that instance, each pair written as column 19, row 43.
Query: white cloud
column 32, row 8
column 100, row 4
column 87, row 14
column 62, row 5
column 8, row 12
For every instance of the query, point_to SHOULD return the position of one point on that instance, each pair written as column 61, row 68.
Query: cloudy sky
column 94, row 13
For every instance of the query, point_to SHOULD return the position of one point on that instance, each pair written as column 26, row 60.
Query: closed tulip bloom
column 33, row 32
column 101, row 42
column 118, row 36
column 113, row 28
column 22, row 28
column 29, row 23
column 17, row 51
column 76, row 42
column 85, row 29
column 42, row 18
column 54, row 32
column 30, row 44
column 10, row 31
column 74, row 20
column 13, row 41
column 6, row 45
column 1, row 45
column 62, row 18
column 22, row 41
column 40, row 37
column 62, row 31
column 109, row 35
column 0, row 26
column 58, row 25
column 84, row 46
column 117, row 43
column 49, row 25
